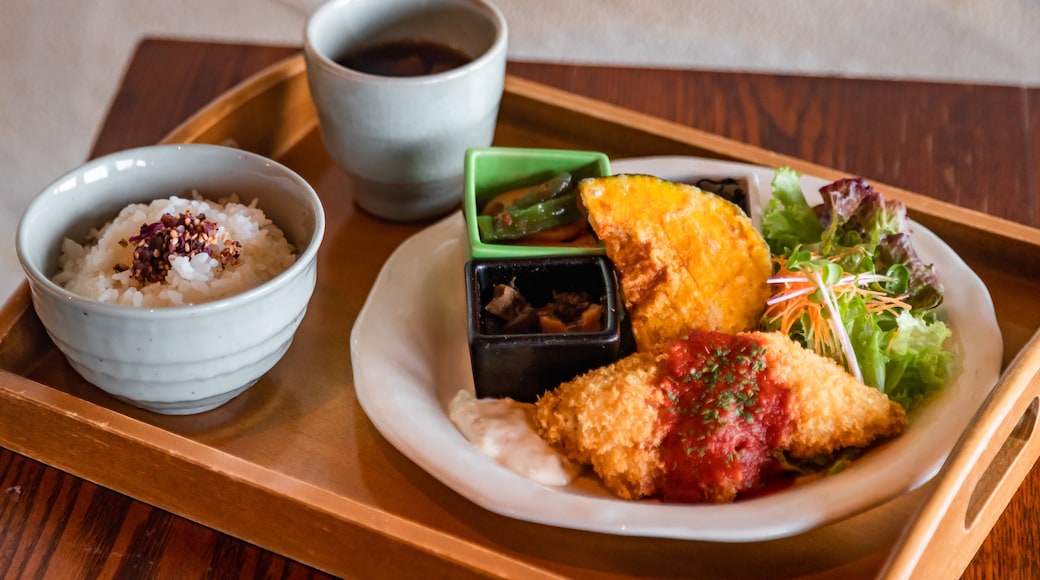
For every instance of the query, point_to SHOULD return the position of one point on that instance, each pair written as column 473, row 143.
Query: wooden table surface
column 976, row 146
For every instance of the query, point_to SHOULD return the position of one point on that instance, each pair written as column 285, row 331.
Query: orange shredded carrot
column 793, row 302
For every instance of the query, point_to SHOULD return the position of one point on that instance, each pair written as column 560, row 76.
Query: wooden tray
column 293, row 465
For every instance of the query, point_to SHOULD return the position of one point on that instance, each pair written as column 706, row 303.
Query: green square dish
column 494, row 170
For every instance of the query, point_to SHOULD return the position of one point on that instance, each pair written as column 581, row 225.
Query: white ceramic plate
column 410, row 357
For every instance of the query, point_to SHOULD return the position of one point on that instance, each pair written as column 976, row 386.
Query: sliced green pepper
column 517, row 223
column 554, row 187
column 543, row 192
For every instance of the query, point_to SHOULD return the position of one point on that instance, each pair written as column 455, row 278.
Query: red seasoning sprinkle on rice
column 176, row 252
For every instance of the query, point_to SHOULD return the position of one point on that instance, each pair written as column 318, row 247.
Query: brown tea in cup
column 404, row 58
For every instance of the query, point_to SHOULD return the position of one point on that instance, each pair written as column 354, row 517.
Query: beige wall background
column 61, row 60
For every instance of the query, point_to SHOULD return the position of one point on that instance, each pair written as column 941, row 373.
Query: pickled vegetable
column 514, row 224
column 531, row 212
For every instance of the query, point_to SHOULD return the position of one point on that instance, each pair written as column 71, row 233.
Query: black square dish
column 522, row 360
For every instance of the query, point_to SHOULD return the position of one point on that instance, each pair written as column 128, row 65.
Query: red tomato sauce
column 724, row 417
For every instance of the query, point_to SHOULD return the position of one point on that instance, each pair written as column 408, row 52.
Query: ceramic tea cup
column 403, row 88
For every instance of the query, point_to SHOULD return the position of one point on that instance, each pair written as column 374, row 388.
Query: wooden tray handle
column 979, row 478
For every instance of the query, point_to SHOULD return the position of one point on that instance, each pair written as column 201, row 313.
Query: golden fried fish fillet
column 686, row 259
column 608, row 418
column 701, row 421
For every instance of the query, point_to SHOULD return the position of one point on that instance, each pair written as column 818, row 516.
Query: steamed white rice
column 90, row 269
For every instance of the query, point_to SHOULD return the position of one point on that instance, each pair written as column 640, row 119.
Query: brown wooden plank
column 1033, row 153
column 957, row 143
column 1007, row 552
column 191, row 76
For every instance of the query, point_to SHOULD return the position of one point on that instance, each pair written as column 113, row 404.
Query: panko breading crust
column 829, row 408
column 686, row 259
column 609, row 417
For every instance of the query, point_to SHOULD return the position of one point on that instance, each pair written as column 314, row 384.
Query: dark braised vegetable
column 511, row 306
column 566, row 312
column 728, row 188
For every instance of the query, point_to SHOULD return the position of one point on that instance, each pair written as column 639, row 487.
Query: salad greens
column 848, row 284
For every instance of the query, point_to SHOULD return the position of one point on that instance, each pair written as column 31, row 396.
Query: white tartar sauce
column 503, row 429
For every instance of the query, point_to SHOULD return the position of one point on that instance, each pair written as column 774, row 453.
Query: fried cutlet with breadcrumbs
column 686, row 258
column 702, row 420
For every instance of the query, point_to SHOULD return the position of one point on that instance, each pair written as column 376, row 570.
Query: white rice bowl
column 90, row 269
